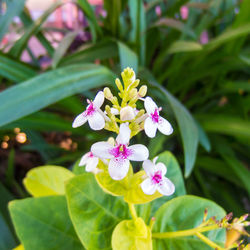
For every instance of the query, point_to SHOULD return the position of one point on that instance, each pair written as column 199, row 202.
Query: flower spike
column 154, row 120
column 92, row 114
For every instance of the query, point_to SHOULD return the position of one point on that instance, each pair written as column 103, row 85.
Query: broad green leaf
column 128, row 57
column 63, row 47
column 184, row 46
column 182, row 213
column 43, row 223
column 47, row 180
column 187, row 124
column 14, row 70
column 203, row 138
column 31, row 95
column 20, row 45
column 132, row 234
column 14, row 8
column 110, row 186
column 94, row 214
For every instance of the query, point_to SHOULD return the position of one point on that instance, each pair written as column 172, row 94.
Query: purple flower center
column 121, row 151
column 90, row 110
column 155, row 116
column 157, row 177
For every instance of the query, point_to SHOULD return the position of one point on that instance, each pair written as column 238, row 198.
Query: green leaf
column 14, row 70
column 47, row 180
column 43, row 223
column 184, row 46
column 94, row 214
column 128, row 57
column 20, row 45
column 203, row 138
column 116, row 188
column 132, row 234
column 63, row 47
column 187, row 124
column 32, row 96
column 184, row 213
column 14, row 8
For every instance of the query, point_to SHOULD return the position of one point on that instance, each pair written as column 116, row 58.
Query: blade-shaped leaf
column 44, row 223
column 184, row 46
column 48, row 88
column 93, row 213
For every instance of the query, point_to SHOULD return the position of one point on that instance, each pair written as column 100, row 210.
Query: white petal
column 149, row 167
column 155, row 159
column 164, row 126
column 79, row 120
column 84, row 159
column 139, row 153
column 102, row 150
column 99, row 99
column 118, row 168
column 150, row 127
column 124, row 134
column 114, row 111
column 166, row 187
column 161, row 167
column 96, row 121
column 150, row 105
column 148, row 187
column 92, row 164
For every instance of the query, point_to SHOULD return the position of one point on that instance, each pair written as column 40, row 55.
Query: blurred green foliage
column 203, row 87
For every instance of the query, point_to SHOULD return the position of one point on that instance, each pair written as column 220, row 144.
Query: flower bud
column 133, row 93
column 107, row 93
column 118, row 84
column 127, row 113
column 143, row 90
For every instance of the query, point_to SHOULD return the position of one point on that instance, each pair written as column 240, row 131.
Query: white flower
column 92, row 114
column 156, row 179
column 154, row 120
column 120, row 154
column 127, row 113
column 90, row 161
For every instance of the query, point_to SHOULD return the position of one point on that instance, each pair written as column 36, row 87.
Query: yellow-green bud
column 119, row 84
column 127, row 113
column 133, row 93
column 107, row 93
column 143, row 90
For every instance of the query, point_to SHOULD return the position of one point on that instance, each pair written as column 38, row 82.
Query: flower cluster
column 126, row 120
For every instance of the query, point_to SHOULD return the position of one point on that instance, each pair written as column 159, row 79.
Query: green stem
column 184, row 232
column 132, row 210
column 208, row 241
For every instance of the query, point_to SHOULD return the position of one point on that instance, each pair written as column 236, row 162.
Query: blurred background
column 193, row 55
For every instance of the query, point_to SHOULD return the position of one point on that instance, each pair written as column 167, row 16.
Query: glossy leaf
column 184, row 213
column 94, row 214
column 47, row 180
column 44, row 223
column 117, row 188
column 58, row 84
column 132, row 234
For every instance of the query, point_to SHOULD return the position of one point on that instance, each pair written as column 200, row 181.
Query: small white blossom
column 156, row 179
column 120, row 154
column 127, row 113
column 154, row 120
column 90, row 161
column 92, row 114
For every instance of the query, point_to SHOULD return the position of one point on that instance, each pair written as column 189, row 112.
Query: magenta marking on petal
column 155, row 116
column 157, row 177
column 90, row 155
column 90, row 110
column 121, row 152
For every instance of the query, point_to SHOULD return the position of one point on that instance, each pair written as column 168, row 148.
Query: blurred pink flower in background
column 184, row 12
column 158, row 10
column 204, row 37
